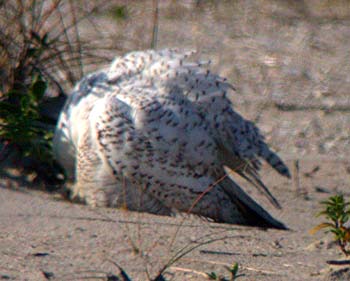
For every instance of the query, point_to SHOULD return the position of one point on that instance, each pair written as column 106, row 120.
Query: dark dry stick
column 342, row 105
column 296, row 180
column 339, row 262
column 296, row 177
column 155, row 25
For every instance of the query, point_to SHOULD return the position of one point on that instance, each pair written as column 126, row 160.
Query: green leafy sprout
column 233, row 274
column 337, row 212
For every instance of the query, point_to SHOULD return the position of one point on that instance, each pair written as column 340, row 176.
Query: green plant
column 337, row 213
column 22, row 125
column 119, row 12
column 42, row 55
column 233, row 274
column 23, row 129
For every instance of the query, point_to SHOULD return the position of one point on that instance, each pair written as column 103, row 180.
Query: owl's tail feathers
column 274, row 160
column 249, row 171
column 252, row 213
column 253, row 178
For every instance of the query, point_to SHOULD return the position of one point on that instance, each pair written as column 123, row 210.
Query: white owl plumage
column 154, row 132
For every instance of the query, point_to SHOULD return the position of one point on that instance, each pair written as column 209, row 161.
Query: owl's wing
column 242, row 145
column 155, row 141
column 209, row 93
column 165, row 146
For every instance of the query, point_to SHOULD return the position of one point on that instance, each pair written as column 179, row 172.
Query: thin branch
column 155, row 25
column 210, row 187
column 187, row 249
column 71, row 75
column 50, row 11
column 305, row 106
column 77, row 39
column 71, row 25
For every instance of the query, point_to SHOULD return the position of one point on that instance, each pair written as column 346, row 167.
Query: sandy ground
column 44, row 235
column 289, row 63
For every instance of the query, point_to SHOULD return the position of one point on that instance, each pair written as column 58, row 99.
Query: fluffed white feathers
column 154, row 131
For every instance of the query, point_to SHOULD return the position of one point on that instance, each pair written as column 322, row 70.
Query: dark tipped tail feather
column 254, row 179
column 248, row 171
column 274, row 160
column 253, row 214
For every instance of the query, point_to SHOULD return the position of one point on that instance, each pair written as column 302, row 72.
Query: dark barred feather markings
column 155, row 132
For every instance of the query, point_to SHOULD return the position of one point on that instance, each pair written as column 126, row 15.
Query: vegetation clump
column 41, row 57
column 336, row 211
column 233, row 270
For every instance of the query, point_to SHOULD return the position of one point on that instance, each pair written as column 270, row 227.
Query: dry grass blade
column 45, row 36
column 317, row 228
column 203, row 274
column 188, row 249
column 194, row 204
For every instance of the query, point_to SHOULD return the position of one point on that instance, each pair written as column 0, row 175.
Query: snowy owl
column 156, row 132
